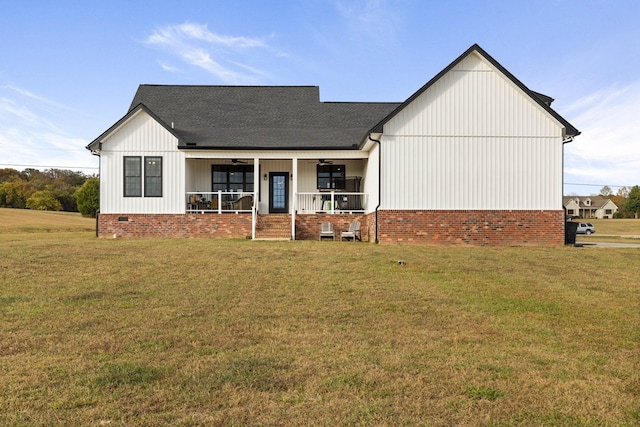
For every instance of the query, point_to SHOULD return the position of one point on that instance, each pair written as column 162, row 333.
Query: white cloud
column 608, row 150
column 201, row 32
column 219, row 55
column 169, row 68
column 16, row 113
column 374, row 19
column 30, row 134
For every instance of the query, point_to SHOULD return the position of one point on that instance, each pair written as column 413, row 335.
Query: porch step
column 273, row 226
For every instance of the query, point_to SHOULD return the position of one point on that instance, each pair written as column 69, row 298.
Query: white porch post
column 294, row 207
column 256, row 195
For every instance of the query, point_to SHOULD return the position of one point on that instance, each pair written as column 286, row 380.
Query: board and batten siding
column 141, row 136
column 473, row 140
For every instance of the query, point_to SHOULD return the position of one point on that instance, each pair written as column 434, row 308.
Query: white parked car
column 585, row 228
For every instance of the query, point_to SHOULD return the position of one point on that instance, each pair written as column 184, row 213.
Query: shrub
column 43, row 200
column 88, row 197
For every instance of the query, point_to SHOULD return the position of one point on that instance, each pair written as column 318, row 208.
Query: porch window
column 132, row 176
column 153, row 176
column 237, row 178
column 331, row 176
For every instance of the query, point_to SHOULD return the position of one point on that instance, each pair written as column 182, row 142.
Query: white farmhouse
column 473, row 157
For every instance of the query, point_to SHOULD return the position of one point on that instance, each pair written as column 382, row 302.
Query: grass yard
column 233, row 332
column 615, row 227
column 28, row 221
column 612, row 230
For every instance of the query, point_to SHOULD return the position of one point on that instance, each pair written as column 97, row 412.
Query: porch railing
column 219, row 202
column 331, row 202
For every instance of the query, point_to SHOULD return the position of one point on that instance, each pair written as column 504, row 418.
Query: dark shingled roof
column 259, row 117
column 279, row 117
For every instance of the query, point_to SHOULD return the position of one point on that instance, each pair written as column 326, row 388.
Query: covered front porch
column 307, row 184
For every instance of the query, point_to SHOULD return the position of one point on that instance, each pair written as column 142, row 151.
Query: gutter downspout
column 564, row 141
column 97, row 153
column 564, row 210
column 379, row 179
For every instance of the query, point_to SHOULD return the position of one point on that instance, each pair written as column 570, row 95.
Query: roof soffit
column 134, row 112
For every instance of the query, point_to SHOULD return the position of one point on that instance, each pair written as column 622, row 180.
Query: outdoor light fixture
column 265, row 177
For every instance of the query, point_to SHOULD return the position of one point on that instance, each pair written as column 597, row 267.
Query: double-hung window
column 331, row 176
column 133, row 176
column 153, row 176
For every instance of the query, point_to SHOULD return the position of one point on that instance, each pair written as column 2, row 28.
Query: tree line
column 51, row 190
column 627, row 199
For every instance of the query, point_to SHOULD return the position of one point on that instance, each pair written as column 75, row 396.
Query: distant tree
column 620, row 199
column 14, row 194
column 88, row 197
column 620, row 202
column 633, row 201
column 623, row 192
column 43, row 200
column 16, row 187
column 606, row 191
column 63, row 184
column 9, row 174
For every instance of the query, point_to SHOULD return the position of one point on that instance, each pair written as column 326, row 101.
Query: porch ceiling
column 293, row 155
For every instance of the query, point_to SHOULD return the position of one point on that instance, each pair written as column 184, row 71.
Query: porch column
column 294, row 207
column 256, row 195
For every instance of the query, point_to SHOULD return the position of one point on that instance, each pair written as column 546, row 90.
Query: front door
column 278, row 192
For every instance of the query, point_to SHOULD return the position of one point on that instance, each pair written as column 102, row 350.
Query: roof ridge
column 230, row 86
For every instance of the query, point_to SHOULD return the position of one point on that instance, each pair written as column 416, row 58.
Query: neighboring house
column 473, row 157
column 589, row 207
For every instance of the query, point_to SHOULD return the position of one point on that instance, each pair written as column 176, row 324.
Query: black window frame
column 336, row 178
column 148, row 185
column 248, row 184
column 143, row 176
column 132, row 190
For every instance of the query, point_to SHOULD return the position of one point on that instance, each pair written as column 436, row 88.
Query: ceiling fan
column 323, row 162
column 238, row 162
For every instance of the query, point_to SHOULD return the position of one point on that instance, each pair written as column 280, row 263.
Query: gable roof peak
column 543, row 101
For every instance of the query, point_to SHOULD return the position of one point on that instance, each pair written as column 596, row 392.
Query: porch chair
column 243, row 203
column 326, row 230
column 353, row 232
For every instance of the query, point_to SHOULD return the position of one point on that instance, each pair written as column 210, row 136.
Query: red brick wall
column 308, row 225
column 477, row 228
column 189, row 225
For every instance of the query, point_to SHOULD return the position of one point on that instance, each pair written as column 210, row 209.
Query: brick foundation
column 167, row 225
column 308, row 225
column 476, row 228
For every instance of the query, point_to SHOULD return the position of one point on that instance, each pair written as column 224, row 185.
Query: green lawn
column 232, row 332
column 28, row 221
column 617, row 227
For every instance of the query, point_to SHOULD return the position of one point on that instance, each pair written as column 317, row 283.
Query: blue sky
column 69, row 69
